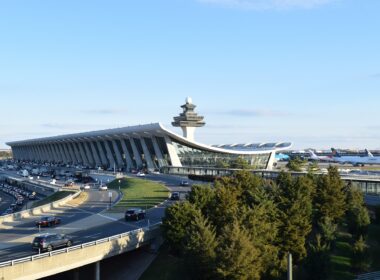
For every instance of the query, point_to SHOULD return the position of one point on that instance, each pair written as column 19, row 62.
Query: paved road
column 82, row 222
column 5, row 201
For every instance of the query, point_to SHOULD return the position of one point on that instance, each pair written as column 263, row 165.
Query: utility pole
column 290, row 267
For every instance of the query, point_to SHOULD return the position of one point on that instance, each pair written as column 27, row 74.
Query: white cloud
column 269, row 4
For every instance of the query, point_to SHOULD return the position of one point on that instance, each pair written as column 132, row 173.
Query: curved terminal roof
column 155, row 129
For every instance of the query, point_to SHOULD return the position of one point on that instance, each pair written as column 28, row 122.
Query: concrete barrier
column 37, row 210
column 43, row 265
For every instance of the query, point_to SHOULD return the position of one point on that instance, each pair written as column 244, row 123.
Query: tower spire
column 188, row 120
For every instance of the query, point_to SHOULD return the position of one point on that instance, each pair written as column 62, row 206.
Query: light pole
column 119, row 184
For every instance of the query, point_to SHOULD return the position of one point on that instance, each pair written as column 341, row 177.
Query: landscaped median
column 138, row 193
column 54, row 197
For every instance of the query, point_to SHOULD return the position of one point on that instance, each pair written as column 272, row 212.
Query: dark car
column 134, row 214
column 184, row 183
column 48, row 221
column 175, row 196
column 51, row 241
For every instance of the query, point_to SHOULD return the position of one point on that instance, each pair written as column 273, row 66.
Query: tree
column 317, row 265
column 294, row 200
column 176, row 223
column 330, row 199
column 201, row 247
column 295, row 164
column 240, row 163
column 313, row 167
column 357, row 215
column 360, row 260
column 238, row 257
column 202, row 196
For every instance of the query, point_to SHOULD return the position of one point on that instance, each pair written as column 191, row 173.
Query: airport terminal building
column 150, row 146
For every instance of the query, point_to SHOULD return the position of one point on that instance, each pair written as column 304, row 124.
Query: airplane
column 313, row 156
column 356, row 160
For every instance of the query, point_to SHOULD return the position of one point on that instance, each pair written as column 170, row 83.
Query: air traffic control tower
column 188, row 120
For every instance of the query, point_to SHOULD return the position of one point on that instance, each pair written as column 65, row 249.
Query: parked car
column 134, row 214
column 140, row 174
column 175, row 196
column 51, row 241
column 184, row 183
column 103, row 188
column 48, row 221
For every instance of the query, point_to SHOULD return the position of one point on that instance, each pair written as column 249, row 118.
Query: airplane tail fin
column 335, row 152
column 368, row 153
column 312, row 154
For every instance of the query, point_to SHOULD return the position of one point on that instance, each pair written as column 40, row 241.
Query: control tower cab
column 188, row 120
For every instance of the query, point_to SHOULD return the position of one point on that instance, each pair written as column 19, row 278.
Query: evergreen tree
column 201, row 247
column 317, row 265
column 357, row 216
column 360, row 260
column 202, row 196
column 175, row 224
column 238, row 257
column 294, row 199
column 330, row 199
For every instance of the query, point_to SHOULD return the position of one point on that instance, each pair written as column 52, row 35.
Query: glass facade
column 164, row 151
column 193, row 157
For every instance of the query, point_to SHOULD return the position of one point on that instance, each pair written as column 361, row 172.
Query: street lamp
column 119, row 184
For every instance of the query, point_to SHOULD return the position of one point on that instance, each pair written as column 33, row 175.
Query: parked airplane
column 356, row 160
column 313, row 156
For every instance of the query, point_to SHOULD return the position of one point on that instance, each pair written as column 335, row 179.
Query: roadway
column 5, row 201
column 84, row 222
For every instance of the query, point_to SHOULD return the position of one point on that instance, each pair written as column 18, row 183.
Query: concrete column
column 271, row 161
column 136, row 153
column 89, row 155
column 67, row 152
column 42, row 153
column 119, row 157
column 82, row 153
column 97, row 271
column 109, row 154
column 45, row 152
column 29, row 155
column 172, row 152
column 58, row 153
column 71, row 152
column 53, row 154
column 78, row 154
column 34, row 152
column 160, row 157
column 102, row 154
column 63, row 153
column 128, row 157
column 95, row 154
column 147, row 155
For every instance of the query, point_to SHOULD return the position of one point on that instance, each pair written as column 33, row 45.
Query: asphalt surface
column 6, row 201
column 96, row 204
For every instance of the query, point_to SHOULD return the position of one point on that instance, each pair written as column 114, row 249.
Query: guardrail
column 79, row 246
column 369, row 276
column 39, row 209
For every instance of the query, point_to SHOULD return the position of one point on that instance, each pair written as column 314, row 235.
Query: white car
column 86, row 187
column 140, row 174
column 103, row 188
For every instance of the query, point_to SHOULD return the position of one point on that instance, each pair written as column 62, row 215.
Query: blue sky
column 306, row 71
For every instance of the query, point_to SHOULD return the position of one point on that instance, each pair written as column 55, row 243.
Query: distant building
column 150, row 146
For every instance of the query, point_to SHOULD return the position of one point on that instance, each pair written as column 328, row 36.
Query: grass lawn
column 54, row 197
column 166, row 267
column 138, row 193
